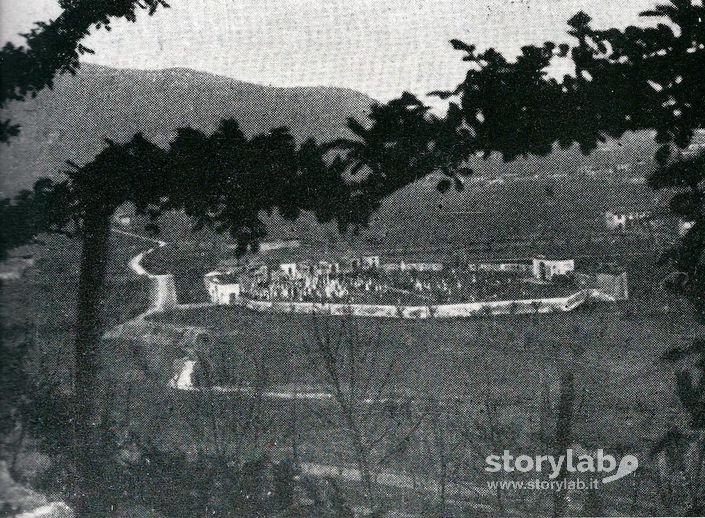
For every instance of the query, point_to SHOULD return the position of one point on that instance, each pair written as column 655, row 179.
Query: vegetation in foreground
column 511, row 107
column 481, row 373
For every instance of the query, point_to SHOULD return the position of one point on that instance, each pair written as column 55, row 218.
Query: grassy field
column 474, row 371
column 437, row 354
column 420, row 217
column 43, row 301
column 511, row 220
column 188, row 263
column 624, row 392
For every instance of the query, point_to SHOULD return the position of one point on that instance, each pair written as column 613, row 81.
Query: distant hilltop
column 71, row 121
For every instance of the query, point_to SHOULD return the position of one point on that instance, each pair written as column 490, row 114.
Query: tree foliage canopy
column 638, row 78
column 227, row 181
column 402, row 143
column 625, row 80
column 55, row 47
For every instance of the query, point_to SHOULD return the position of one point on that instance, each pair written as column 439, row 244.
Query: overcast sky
column 379, row 47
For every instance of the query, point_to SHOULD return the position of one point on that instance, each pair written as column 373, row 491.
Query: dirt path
column 138, row 236
column 162, row 295
column 399, row 480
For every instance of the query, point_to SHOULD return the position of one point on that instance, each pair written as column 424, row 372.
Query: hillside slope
column 71, row 121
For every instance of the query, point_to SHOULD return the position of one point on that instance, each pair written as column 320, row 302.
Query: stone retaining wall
column 470, row 309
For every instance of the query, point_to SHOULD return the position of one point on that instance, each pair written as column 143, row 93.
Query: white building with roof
column 621, row 219
column 123, row 220
column 684, row 227
column 223, row 287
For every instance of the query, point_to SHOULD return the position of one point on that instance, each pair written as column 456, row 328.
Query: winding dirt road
column 162, row 290
column 163, row 295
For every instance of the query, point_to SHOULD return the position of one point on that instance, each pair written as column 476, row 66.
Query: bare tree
column 449, row 438
column 228, row 408
column 360, row 371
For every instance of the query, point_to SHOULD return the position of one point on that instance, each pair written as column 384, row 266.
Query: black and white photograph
column 352, row 258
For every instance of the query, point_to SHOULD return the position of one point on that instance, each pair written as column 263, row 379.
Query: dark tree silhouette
column 235, row 180
column 402, row 144
column 224, row 181
column 639, row 78
column 31, row 212
column 511, row 107
column 634, row 79
column 685, row 178
column 624, row 80
column 54, row 47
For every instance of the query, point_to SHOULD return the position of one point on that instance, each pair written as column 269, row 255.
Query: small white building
column 615, row 220
column 619, row 219
column 123, row 220
column 545, row 269
column 223, row 287
column 684, row 227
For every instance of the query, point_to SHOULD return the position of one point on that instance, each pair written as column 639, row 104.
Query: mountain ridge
column 71, row 121
column 96, row 69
